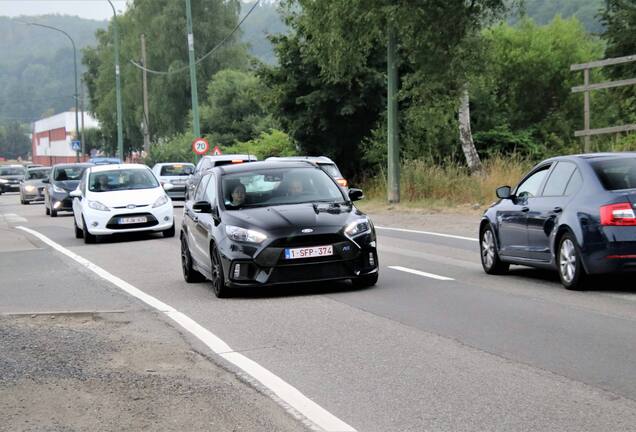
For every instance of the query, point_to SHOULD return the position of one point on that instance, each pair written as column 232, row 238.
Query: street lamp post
column 120, row 134
column 77, row 153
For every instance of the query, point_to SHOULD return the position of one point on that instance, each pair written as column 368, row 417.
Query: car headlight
column 96, row 205
column 244, row 235
column 163, row 199
column 58, row 189
column 29, row 188
column 355, row 228
column 3, row 181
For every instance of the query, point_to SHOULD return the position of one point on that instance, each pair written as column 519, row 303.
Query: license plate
column 308, row 252
column 133, row 220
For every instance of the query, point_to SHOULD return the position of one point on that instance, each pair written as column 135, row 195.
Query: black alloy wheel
column 218, row 278
column 88, row 237
column 189, row 273
column 366, row 281
column 571, row 271
column 79, row 233
column 490, row 260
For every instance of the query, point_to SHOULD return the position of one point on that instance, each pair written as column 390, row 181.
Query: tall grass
column 450, row 184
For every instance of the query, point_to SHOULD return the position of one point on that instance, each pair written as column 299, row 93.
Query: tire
column 366, row 281
column 23, row 202
column 218, row 278
column 79, row 233
column 189, row 273
column 490, row 260
column 569, row 265
column 169, row 232
column 46, row 209
column 53, row 212
column 88, row 237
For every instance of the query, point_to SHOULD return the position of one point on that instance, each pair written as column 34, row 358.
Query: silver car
column 175, row 173
column 32, row 188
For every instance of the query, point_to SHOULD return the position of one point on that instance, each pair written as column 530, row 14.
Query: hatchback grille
column 332, row 270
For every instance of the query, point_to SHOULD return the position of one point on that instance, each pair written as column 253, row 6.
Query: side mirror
column 202, row 207
column 46, row 181
column 168, row 186
column 355, row 194
column 504, row 192
column 77, row 193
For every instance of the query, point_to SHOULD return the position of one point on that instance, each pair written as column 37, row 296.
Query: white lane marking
column 13, row 218
column 427, row 233
column 288, row 394
column 421, row 273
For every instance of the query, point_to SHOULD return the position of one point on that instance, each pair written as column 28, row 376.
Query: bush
column 175, row 149
column 272, row 143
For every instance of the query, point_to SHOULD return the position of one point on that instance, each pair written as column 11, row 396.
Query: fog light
column 371, row 259
column 57, row 205
column 166, row 218
column 94, row 224
column 237, row 271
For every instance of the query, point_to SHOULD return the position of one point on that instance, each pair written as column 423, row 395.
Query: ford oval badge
column 131, row 206
column 307, row 230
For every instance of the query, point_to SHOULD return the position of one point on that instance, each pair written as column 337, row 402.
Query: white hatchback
column 121, row 198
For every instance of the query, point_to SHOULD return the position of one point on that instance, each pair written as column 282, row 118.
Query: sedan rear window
column 176, row 170
column 616, row 174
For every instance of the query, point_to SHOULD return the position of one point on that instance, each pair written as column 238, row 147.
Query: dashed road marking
column 427, row 233
column 319, row 418
column 421, row 273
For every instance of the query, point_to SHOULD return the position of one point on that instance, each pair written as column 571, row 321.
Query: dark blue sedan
column 574, row 214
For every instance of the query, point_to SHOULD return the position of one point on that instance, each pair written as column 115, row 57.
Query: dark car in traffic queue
column 10, row 178
column 63, row 179
column 274, row 223
column 210, row 161
column 32, row 188
column 573, row 214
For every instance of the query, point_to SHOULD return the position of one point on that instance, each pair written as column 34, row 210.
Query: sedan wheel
column 571, row 270
column 489, row 257
column 218, row 279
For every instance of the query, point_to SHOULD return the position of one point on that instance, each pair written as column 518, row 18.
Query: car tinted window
column 199, row 195
column 176, row 170
column 36, row 174
column 559, row 178
column 68, row 173
column 123, row 179
column 616, row 174
column 7, row 171
column 530, row 186
column 574, row 184
column 279, row 186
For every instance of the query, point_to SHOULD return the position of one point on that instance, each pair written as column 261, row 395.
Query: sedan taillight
column 618, row 215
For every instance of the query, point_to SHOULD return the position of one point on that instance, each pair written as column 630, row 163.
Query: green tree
column 14, row 141
column 271, row 143
column 235, row 108
column 164, row 24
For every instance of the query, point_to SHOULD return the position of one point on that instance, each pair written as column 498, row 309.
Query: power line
column 206, row 55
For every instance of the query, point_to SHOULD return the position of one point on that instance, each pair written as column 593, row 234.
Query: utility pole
column 393, row 137
column 145, row 91
column 82, row 110
column 120, row 133
column 193, row 74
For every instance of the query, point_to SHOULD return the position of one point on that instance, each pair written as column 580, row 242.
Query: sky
column 92, row 9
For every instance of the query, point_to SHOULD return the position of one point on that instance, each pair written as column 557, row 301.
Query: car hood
column 67, row 185
column 137, row 197
column 295, row 216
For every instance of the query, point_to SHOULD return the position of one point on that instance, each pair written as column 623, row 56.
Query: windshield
column 37, row 174
column 616, row 174
column 176, row 170
column 11, row 171
column 124, row 179
column 68, row 173
column 279, row 186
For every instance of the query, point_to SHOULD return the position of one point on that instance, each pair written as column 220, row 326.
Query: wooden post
column 586, row 110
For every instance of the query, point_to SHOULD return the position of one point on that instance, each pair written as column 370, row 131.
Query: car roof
column 260, row 165
column 588, row 157
column 39, row 168
column 173, row 163
column 317, row 159
column 230, row 157
column 116, row 167
column 69, row 165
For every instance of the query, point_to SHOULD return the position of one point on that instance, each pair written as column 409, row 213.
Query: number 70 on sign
column 200, row 146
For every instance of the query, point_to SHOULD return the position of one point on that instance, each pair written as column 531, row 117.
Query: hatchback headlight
column 3, row 181
column 358, row 227
column 96, row 205
column 244, row 235
column 162, row 200
column 58, row 189
column 29, row 188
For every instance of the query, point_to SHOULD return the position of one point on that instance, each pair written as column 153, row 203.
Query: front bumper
column 9, row 187
column 249, row 266
column 107, row 223
column 32, row 196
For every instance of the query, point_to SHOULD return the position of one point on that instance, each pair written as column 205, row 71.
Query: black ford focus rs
column 574, row 214
column 270, row 223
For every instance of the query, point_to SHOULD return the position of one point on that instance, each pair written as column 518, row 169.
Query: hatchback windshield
column 11, row 171
column 68, row 173
column 37, row 174
column 177, row 170
column 124, row 179
column 616, row 174
column 279, row 186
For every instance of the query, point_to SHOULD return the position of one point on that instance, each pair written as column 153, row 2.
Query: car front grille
column 304, row 273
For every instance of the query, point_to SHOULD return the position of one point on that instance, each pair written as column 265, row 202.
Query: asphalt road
column 461, row 352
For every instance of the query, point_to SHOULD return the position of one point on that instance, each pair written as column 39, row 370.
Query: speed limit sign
column 200, row 146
